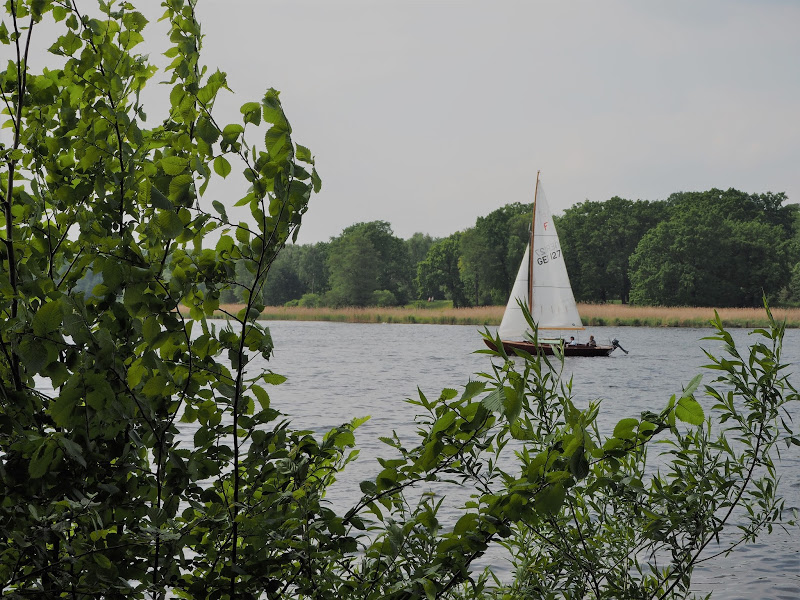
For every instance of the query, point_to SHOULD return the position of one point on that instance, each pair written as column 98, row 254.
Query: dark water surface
column 337, row 371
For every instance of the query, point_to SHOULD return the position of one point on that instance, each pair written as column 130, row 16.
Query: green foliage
column 103, row 222
column 715, row 249
column 492, row 250
column 598, row 239
column 354, row 264
column 391, row 253
column 312, row 267
column 282, row 283
column 794, row 283
column 666, row 247
column 383, row 298
column 418, row 246
column 609, row 515
column 310, row 301
column 439, row 274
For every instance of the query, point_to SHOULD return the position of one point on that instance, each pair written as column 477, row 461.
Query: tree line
column 712, row 248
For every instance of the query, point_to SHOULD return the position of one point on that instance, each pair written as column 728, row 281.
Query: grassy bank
column 681, row 316
column 592, row 315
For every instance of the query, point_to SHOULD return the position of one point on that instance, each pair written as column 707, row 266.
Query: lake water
column 337, row 371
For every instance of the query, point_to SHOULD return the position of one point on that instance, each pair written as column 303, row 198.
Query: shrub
column 383, row 298
column 310, row 301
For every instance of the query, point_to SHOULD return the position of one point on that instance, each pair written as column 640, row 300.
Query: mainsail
column 552, row 304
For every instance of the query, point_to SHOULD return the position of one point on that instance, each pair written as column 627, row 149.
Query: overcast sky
column 428, row 114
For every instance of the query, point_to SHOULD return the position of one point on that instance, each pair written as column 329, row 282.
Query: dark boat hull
column 530, row 348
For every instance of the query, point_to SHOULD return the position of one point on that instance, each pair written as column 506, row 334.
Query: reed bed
column 592, row 315
column 681, row 316
column 483, row 315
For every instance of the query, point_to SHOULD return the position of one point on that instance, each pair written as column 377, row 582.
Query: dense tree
column 473, row 249
column 793, row 252
column 767, row 208
column 354, row 266
column 282, row 284
column 793, row 288
column 492, row 250
column 394, row 269
column 598, row 239
column 715, row 249
column 312, row 267
column 418, row 246
column 439, row 275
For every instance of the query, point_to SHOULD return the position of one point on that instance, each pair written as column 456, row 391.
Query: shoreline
column 593, row 315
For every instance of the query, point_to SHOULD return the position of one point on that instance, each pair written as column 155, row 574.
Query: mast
column 530, row 246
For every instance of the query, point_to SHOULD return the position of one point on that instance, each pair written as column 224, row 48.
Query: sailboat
column 542, row 285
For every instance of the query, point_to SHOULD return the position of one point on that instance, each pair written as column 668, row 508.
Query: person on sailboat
column 592, row 343
column 572, row 341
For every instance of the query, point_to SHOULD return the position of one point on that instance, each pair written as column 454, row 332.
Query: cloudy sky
column 428, row 114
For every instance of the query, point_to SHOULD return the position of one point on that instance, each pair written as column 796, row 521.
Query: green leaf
column 444, row 422
column 41, row 460
column 304, row 154
column 273, row 378
column 73, row 450
column 493, row 401
column 520, row 432
column 243, row 234
column 466, row 524
column 159, row 200
column 273, row 113
column 472, row 389
column 277, row 143
column 62, row 409
column 170, row 224
column 357, row 422
column 57, row 372
column 102, row 560
column 174, row 165
column 316, row 181
column 516, row 505
column 179, row 187
column 430, row 588
column 693, row 384
column 47, row 319
column 689, row 411
column 35, row 355
column 222, row 167
column 512, row 404
column 144, row 191
column 207, row 131
column 478, row 419
column 232, row 132
column 156, row 386
column 251, row 112
column 368, row 487
column 448, row 394
column 578, row 465
column 625, row 429
column 550, row 499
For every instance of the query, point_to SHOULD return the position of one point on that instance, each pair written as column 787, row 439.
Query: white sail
column 514, row 326
column 553, row 301
column 553, row 305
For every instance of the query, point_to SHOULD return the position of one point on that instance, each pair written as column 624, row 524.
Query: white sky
column 428, row 114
